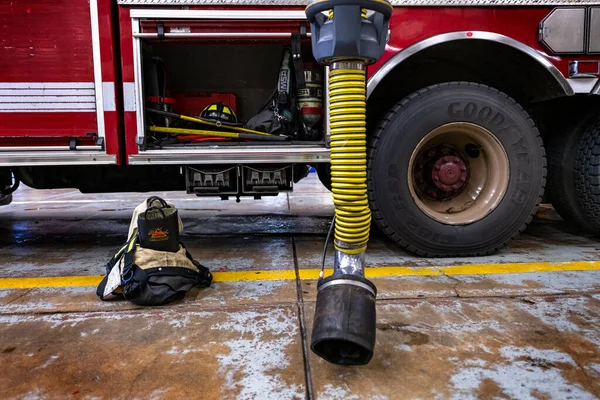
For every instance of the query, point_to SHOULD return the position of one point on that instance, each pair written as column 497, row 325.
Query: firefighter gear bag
column 149, row 277
column 158, row 226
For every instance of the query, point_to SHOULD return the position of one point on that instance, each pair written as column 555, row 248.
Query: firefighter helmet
column 219, row 112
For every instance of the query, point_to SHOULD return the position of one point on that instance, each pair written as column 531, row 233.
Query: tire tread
column 585, row 168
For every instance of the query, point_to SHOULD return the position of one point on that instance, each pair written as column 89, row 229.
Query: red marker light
column 469, row 34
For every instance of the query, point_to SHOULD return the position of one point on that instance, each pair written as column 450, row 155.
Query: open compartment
column 210, row 56
column 245, row 88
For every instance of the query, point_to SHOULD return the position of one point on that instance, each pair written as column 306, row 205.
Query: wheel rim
column 458, row 173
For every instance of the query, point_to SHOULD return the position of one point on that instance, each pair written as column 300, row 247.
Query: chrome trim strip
column 347, row 65
column 47, row 85
column 137, row 76
column 596, row 88
column 37, row 158
column 97, row 66
column 583, row 85
column 404, row 3
column 478, row 35
column 34, row 99
column 48, row 148
column 44, row 97
column 226, row 155
column 347, row 282
column 574, row 69
column 110, row 99
column 43, row 107
column 129, row 96
column 218, row 14
column 219, row 35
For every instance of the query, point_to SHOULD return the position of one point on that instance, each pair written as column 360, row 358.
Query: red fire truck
column 475, row 107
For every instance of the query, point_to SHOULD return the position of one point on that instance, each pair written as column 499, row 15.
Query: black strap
column 127, row 273
column 297, row 58
column 204, row 276
column 283, row 82
column 152, row 199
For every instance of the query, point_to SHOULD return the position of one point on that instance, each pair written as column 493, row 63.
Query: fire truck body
column 73, row 106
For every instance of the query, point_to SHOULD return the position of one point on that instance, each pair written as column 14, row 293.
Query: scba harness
column 148, row 277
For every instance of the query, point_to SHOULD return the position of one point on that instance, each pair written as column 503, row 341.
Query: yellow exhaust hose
column 347, row 116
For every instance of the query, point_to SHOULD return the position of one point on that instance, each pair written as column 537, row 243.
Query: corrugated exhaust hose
column 350, row 36
column 347, row 99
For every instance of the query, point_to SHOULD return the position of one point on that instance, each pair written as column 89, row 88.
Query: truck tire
column 324, row 174
column 6, row 200
column 562, row 150
column 455, row 169
column 587, row 177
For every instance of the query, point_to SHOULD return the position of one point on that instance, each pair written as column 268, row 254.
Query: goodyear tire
column 562, row 149
column 586, row 174
column 455, row 169
column 6, row 200
column 324, row 174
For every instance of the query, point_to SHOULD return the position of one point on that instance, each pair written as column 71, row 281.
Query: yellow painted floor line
column 286, row 275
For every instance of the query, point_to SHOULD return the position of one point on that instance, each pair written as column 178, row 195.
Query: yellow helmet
column 219, row 112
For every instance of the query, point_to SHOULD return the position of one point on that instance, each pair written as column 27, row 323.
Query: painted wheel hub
column 449, row 173
column 441, row 172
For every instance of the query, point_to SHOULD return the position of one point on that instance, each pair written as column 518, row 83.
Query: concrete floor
column 513, row 327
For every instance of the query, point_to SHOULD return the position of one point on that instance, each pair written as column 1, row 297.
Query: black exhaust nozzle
column 344, row 324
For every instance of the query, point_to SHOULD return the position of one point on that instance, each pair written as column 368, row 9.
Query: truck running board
column 238, row 155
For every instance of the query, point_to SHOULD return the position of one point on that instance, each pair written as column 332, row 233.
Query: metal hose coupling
column 347, row 35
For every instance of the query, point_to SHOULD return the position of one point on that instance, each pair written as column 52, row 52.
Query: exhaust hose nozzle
column 352, row 35
column 344, row 324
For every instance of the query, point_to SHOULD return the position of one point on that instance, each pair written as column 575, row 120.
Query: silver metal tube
column 349, row 264
column 351, row 64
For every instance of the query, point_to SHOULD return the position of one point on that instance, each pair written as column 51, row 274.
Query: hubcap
column 441, row 172
column 458, row 173
column 449, row 173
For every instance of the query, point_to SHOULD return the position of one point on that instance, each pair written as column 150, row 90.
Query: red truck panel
column 410, row 25
column 46, row 65
column 51, row 82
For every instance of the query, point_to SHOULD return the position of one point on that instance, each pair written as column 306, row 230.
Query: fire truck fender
column 412, row 50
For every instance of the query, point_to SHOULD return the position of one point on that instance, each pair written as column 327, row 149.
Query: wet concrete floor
column 533, row 333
